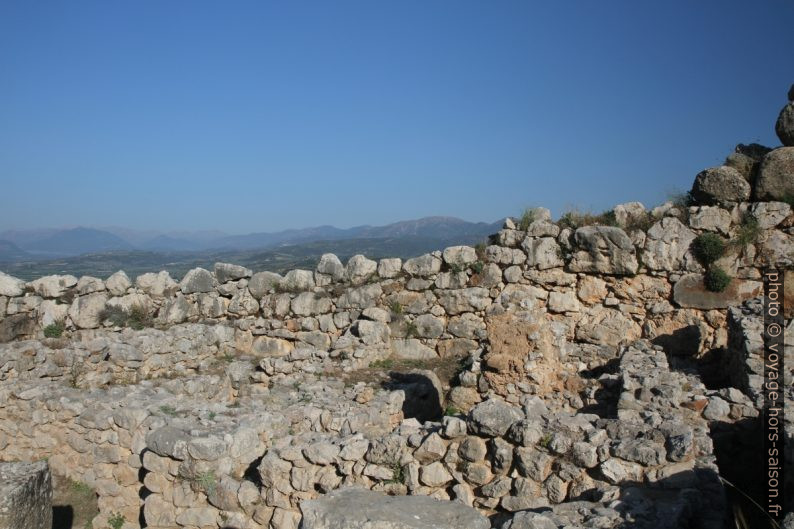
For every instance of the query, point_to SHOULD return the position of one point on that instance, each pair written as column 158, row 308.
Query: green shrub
column 477, row 267
column 479, row 249
column 116, row 521
column 707, row 248
column 574, row 219
column 411, row 330
column 139, row 318
column 748, row 233
column 206, row 481
column 396, row 308
column 716, row 279
column 682, row 199
column 136, row 318
column 451, row 411
column 55, row 329
column 527, row 218
column 788, row 198
column 168, row 410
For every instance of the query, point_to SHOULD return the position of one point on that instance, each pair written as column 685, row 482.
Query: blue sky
column 258, row 116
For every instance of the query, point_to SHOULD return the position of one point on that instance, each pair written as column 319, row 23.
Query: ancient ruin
column 579, row 373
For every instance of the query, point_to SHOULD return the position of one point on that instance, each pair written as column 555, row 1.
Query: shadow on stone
column 423, row 399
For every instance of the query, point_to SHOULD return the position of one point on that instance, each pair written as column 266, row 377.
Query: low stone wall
column 189, row 453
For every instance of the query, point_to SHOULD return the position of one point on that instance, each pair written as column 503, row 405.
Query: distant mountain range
column 75, row 250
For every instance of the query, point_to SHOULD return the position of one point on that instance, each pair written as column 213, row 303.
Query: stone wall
column 229, row 398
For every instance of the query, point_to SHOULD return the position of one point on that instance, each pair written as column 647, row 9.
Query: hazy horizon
column 194, row 117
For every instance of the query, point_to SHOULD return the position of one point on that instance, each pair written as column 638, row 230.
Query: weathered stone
column 11, row 286
column 156, row 285
column 776, row 176
column 330, row 265
column 689, row 292
column 25, row 496
column 309, row 303
column 629, row 213
column 428, row 326
column 52, row 286
column 197, row 280
column 459, row 256
column 263, row 282
column 297, row 281
column 471, row 299
column 543, row 252
column 85, row 311
column 784, row 127
column 230, row 272
column 359, row 269
column 388, row 268
column 423, row 266
column 603, row 249
column 667, row 245
column 118, row 283
column 563, row 302
column 412, row 349
column 720, row 185
column 606, row 327
column 363, row 509
column 493, row 418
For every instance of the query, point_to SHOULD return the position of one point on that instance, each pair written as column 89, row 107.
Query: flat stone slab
column 689, row 292
column 354, row 508
column 25, row 496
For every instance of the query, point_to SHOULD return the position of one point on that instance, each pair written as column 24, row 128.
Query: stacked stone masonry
column 239, row 403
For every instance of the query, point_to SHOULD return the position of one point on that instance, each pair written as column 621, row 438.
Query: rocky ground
column 580, row 373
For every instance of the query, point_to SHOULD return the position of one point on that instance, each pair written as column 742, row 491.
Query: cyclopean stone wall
column 573, row 401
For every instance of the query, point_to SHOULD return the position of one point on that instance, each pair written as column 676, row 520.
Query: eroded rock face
column 363, row 509
column 25, row 496
column 603, row 249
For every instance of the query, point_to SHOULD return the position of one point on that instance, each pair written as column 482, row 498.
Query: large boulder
column 604, row 250
column 53, row 286
column 493, row 417
column 354, row 508
column 720, row 185
column 231, row 272
column 785, row 125
column 25, row 495
column 689, row 292
column 118, row 283
column 424, row 265
column 297, row 281
column 776, row 176
column 667, row 245
column 263, row 282
column 86, row 311
column 156, row 285
column 359, row 269
column 11, row 286
column 330, row 265
column 197, row 280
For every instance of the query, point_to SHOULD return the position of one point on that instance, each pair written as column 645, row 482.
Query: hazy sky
column 258, row 116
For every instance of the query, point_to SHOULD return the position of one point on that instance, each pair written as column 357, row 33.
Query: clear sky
column 258, row 116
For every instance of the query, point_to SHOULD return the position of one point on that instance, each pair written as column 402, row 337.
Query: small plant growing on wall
column 116, row 521
column 716, row 279
column 55, row 329
column 707, row 248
